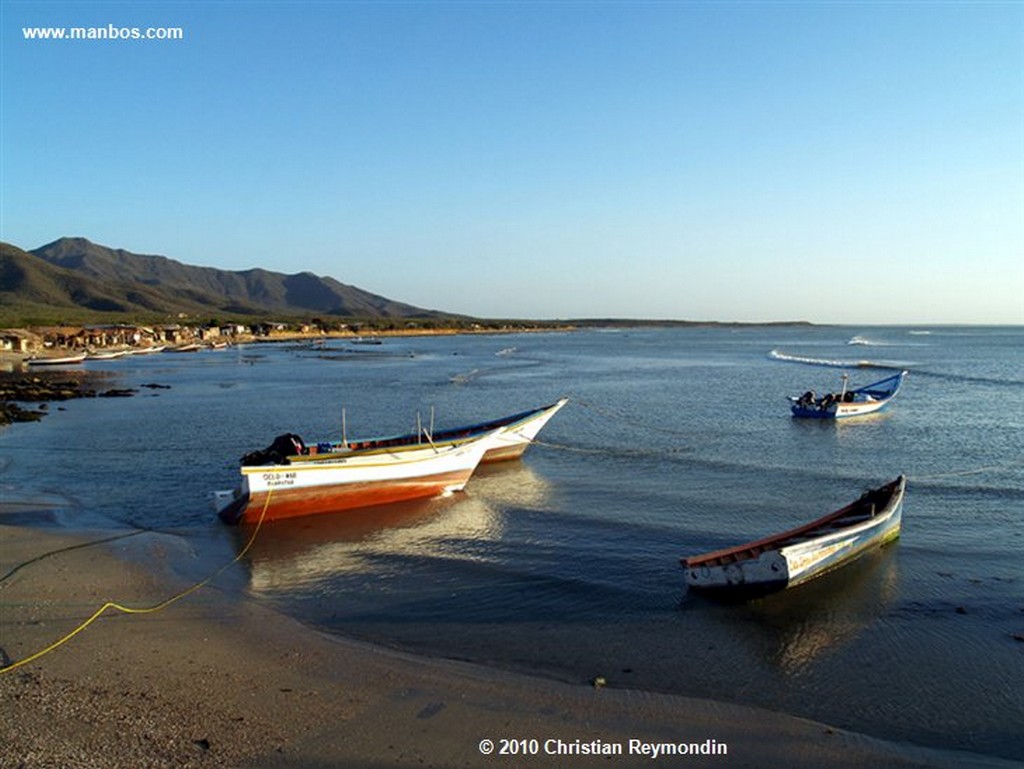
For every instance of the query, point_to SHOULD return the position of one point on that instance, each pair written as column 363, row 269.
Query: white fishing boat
column 63, row 360
column 107, row 354
column 293, row 482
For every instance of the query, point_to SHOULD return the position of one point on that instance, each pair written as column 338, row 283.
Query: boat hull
column 855, row 403
column 509, row 436
column 796, row 557
column 274, row 492
column 513, row 439
column 68, row 360
column 333, row 499
column 841, row 410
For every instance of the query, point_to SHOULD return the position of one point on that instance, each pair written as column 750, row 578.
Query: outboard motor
column 277, row 453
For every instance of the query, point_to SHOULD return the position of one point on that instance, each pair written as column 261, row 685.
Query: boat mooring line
column 145, row 609
column 612, row 451
column 974, row 471
column 80, row 545
column 624, row 419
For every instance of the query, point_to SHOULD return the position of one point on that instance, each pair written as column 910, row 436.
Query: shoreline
column 218, row 679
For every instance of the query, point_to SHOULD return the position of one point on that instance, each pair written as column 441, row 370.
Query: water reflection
column 300, row 552
column 838, row 426
column 511, row 484
column 796, row 628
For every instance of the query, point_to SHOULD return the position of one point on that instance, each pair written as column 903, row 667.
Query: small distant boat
column 298, row 484
column 56, row 361
column 797, row 556
column 107, row 354
column 148, row 350
column 185, row 348
column 365, row 340
column 848, row 403
column 514, row 434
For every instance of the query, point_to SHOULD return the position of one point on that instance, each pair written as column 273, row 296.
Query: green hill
column 75, row 280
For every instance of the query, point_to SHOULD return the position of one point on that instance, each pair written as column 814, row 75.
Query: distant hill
column 75, row 274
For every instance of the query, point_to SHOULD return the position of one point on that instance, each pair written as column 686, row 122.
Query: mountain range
column 73, row 278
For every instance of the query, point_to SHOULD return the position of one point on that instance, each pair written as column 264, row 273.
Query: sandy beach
column 216, row 680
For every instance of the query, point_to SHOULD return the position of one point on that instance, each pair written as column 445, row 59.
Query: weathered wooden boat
column 63, row 360
column 285, row 481
column 512, row 434
column 848, row 403
column 801, row 554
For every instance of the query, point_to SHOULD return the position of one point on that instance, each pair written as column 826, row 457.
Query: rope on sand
column 80, row 545
column 145, row 609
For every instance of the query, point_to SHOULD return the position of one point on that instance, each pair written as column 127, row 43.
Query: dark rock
column 116, row 393
column 18, row 387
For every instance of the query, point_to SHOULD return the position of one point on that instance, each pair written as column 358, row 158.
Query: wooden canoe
column 801, row 554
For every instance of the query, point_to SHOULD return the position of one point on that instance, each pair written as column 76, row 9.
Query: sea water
column 567, row 563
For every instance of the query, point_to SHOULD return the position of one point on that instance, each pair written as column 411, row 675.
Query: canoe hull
column 796, row 557
column 806, row 563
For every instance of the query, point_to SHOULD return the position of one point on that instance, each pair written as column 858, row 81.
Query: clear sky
column 825, row 161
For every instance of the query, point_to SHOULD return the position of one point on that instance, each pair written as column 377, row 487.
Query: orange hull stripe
column 291, row 503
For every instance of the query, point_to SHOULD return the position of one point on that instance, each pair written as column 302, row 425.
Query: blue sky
column 753, row 161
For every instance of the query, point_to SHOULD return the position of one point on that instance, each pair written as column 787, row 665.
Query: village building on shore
column 63, row 338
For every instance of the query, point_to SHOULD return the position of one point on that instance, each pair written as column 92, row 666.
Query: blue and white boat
column 847, row 403
column 801, row 554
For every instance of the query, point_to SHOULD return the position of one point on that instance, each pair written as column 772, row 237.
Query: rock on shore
column 45, row 387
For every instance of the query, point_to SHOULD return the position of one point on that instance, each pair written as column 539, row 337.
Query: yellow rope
column 146, row 609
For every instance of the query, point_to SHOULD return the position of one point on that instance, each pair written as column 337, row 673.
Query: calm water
column 567, row 563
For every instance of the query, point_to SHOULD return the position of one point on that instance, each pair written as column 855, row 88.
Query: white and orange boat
column 293, row 483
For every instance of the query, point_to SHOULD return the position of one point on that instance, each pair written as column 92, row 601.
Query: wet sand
column 216, row 680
